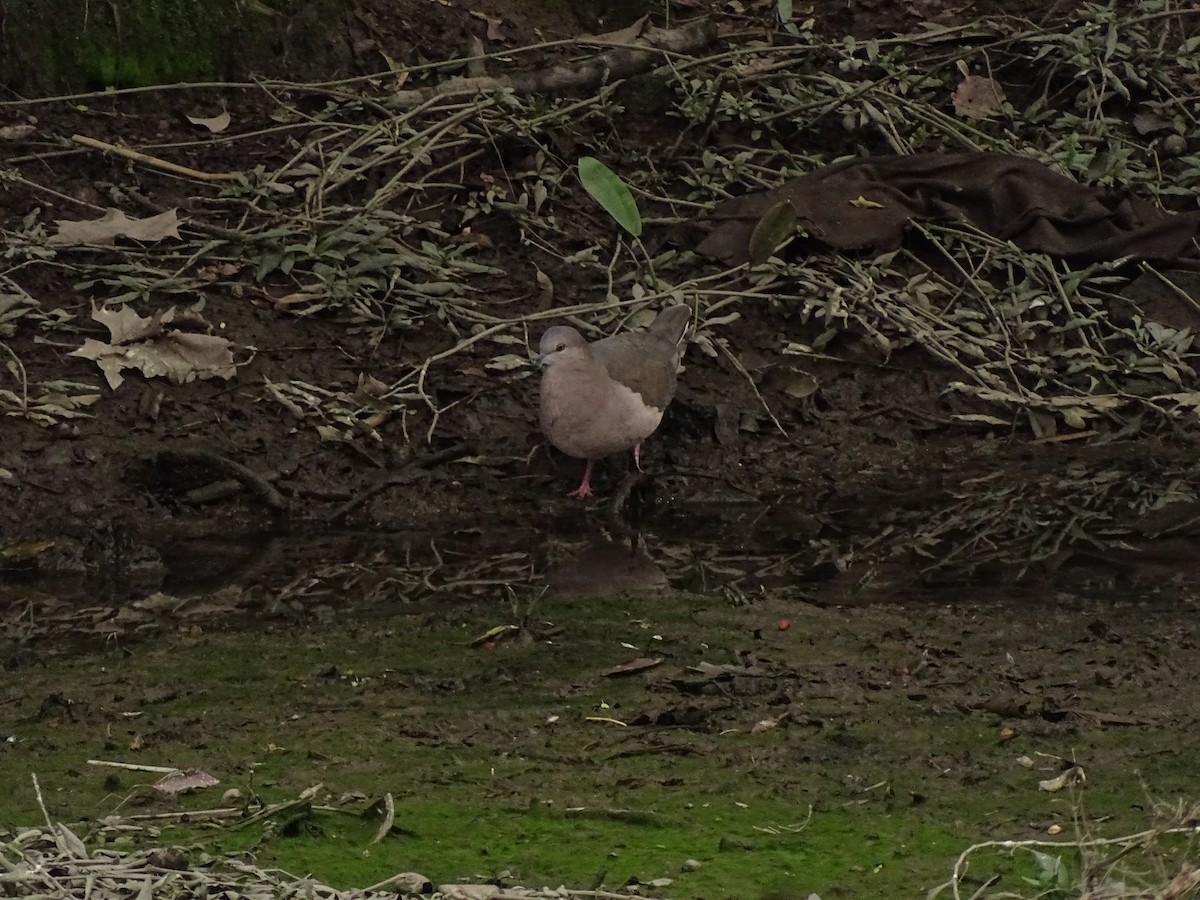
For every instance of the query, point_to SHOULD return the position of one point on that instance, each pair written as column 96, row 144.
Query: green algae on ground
column 526, row 763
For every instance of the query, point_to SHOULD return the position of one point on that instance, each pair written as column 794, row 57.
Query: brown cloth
column 1010, row 197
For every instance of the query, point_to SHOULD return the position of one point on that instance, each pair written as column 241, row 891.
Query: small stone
column 233, row 795
column 169, row 858
column 1173, row 145
column 690, row 865
column 734, row 842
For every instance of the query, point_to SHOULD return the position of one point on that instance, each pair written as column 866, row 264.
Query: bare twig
column 136, row 156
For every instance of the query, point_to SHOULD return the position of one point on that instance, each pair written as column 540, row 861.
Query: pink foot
column 585, row 487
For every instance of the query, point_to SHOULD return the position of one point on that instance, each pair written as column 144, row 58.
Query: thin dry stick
column 154, row 161
column 737, row 364
column 1086, row 843
column 433, row 135
column 136, row 767
column 325, row 185
column 37, row 790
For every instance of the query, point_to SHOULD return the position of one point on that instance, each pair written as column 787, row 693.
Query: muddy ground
column 868, row 628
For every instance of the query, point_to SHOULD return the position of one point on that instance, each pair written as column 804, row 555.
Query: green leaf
column 607, row 189
column 775, row 226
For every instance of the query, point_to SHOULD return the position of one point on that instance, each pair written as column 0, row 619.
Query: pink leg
column 637, row 456
column 585, row 487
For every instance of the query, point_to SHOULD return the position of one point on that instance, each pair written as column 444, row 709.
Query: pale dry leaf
column 217, row 271
column 16, row 132
column 977, row 97
column 110, row 360
column 126, row 326
column 389, row 818
column 467, row 891
column 180, row 782
column 114, row 224
column 494, row 32
column 626, row 35
column 633, row 666
column 216, row 124
column 1074, row 418
column 70, row 843
column 1146, row 121
column 183, row 357
column 791, row 380
column 141, row 343
column 545, row 289
column 476, row 66
column 1073, row 775
column 411, row 883
column 507, row 362
column 59, row 400
column 369, row 389
column 769, row 723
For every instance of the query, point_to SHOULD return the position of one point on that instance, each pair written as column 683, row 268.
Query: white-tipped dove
column 603, row 398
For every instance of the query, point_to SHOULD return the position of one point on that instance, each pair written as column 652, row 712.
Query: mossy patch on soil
column 525, row 763
column 57, row 46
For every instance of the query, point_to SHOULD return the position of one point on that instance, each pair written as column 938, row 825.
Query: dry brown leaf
column 1147, row 121
column 476, row 66
column 69, row 842
column 769, row 723
column 410, row 883
column 467, row 891
column 186, row 780
column 545, row 289
column 626, row 35
column 216, row 271
column 633, row 666
column 114, row 224
column 1073, row 775
column 142, row 343
column 126, row 326
column 16, row 132
column 494, row 32
column 977, row 97
column 216, row 124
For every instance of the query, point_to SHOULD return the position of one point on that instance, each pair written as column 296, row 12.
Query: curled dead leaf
column 633, row 666
column 1073, row 775
column 184, row 780
column 216, row 124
